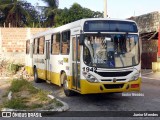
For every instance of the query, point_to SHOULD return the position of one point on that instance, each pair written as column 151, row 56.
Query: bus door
column 76, row 62
column 47, row 59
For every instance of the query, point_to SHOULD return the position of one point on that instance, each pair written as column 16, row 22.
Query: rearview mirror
column 81, row 40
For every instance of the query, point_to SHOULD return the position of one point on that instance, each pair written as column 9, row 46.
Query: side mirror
column 81, row 40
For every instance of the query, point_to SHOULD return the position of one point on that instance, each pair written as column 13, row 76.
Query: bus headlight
column 135, row 76
column 90, row 77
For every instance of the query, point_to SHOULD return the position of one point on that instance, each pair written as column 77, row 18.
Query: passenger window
column 55, row 44
column 75, row 49
column 27, row 46
column 65, row 46
column 35, row 46
column 41, row 45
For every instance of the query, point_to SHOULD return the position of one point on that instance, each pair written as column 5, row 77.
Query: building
column 149, row 28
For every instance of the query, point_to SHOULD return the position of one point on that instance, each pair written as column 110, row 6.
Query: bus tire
column 36, row 79
column 67, row 92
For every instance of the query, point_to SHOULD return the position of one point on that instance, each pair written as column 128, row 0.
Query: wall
column 148, row 22
column 12, row 42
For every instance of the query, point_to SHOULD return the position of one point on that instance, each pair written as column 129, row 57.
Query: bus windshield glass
column 111, row 50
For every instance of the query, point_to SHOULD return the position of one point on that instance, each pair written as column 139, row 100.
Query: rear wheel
column 36, row 79
column 67, row 92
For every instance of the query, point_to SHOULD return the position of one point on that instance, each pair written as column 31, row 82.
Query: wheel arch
column 33, row 68
column 61, row 81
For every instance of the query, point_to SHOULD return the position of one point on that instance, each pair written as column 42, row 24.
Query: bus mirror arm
column 81, row 41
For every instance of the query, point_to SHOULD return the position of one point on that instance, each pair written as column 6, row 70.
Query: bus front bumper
column 109, row 87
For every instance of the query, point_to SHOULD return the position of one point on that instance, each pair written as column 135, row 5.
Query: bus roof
column 74, row 24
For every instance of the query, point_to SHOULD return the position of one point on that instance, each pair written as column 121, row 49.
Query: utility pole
column 105, row 9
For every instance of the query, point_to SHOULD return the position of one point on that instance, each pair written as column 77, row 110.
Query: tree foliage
column 20, row 13
column 75, row 12
column 50, row 11
column 33, row 14
column 17, row 13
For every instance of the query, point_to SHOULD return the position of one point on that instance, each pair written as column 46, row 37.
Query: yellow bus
column 95, row 55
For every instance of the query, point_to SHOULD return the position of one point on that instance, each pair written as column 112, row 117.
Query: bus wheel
column 67, row 92
column 36, row 79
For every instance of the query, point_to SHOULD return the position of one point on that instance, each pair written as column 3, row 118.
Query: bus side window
column 55, row 40
column 35, row 46
column 65, row 46
column 41, row 45
column 75, row 49
column 27, row 46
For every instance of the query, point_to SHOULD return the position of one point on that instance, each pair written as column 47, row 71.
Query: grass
column 13, row 68
column 26, row 97
column 58, row 104
column 36, row 106
column 42, row 95
column 17, row 85
column 16, row 103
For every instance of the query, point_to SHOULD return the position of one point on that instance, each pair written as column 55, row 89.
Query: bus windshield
column 111, row 50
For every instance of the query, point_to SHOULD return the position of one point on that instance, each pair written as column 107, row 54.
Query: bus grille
column 109, row 80
column 113, row 86
column 113, row 74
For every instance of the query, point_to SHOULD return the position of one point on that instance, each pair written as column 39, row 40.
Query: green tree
column 50, row 11
column 13, row 12
column 34, row 20
column 98, row 14
column 75, row 12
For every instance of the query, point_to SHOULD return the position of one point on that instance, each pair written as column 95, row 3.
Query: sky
column 115, row 8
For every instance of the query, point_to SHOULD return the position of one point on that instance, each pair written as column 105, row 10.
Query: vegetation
column 13, row 68
column 75, row 12
column 50, row 10
column 26, row 97
column 17, row 13
column 20, row 13
column 16, row 103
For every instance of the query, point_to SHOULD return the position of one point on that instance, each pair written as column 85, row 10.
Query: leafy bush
column 13, row 68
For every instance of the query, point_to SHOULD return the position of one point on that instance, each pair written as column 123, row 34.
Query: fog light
column 134, row 85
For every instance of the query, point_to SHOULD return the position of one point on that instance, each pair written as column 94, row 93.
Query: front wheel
column 67, row 92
